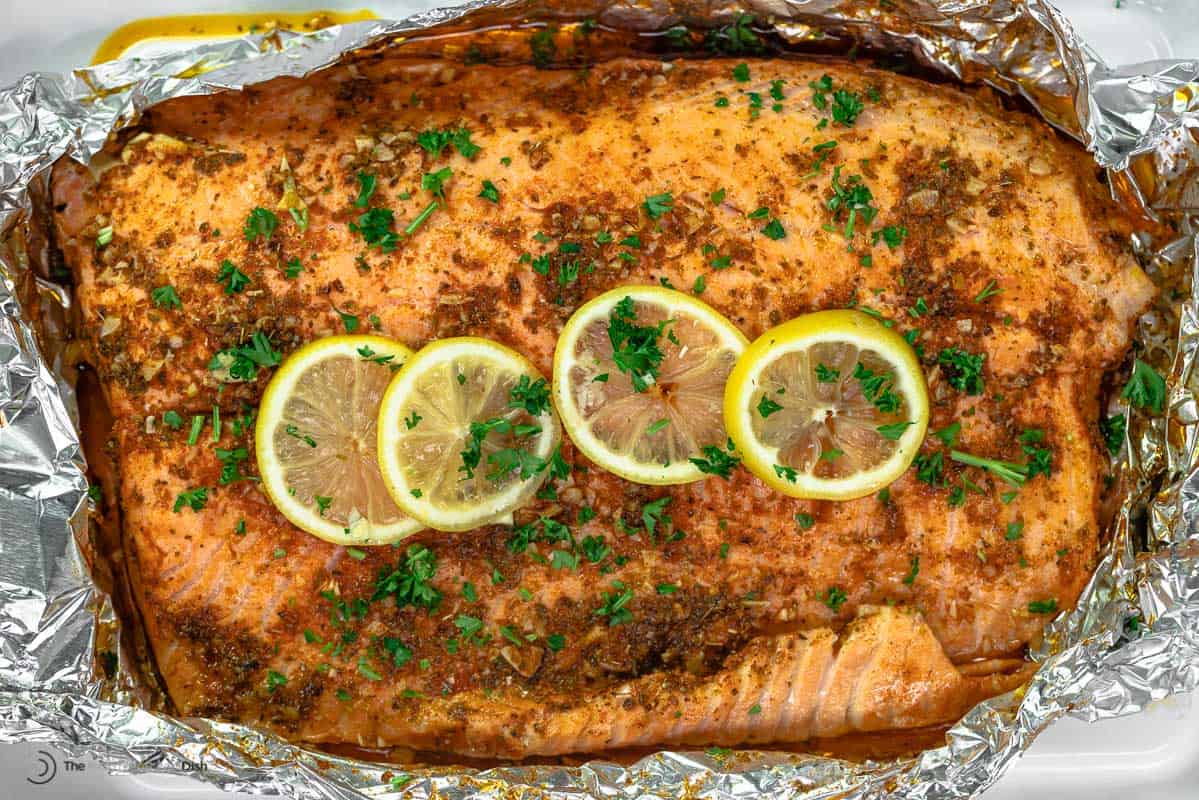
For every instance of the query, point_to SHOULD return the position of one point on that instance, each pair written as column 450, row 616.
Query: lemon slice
column 639, row 376
column 830, row 405
column 466, row 434
column 315, row 440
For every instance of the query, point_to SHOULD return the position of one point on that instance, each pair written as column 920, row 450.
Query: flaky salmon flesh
column 712, row 613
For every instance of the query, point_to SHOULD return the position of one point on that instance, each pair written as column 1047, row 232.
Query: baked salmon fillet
column 747, row 617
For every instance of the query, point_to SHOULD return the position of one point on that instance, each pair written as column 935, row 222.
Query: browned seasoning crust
column 1010, row 251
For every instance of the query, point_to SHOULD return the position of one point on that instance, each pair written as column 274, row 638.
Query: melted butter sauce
column 215, row 26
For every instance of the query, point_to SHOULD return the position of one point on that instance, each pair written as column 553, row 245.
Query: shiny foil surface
column 70, row 670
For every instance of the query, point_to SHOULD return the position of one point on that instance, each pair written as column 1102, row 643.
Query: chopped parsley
column 614, row 605
column 635, row 348
column 741, row 73
column 490, row 192
column 348, row 321
column 401, row 654
column 893, row 431
column 892, row 236
column 555, row 642
column 366, row 188
column 420, row 218
column 1013, row 474
column 243, row 362
column 1145, row 388
column 717, row 461
column 366, row 671
column 300, row 217
column 789, row 474
column 949, row 434
column 194, row 435
column 1113, row 429
column 409, row 581
column 260, row 224
column 820, row 88
column 734, row 39
column 435, row 181
column 274, row 680
column 595, row 548
column 195, row 499
column 234, row 279
column 846, row 107
column 292, row 269
column 653, row 512
column 822, row 151
column 294, row 432
column 659, row 204
column 377, row 228
column 369, row 354
column 1043, row 606
column 230, row 464
column 435, row 141
column 411, row 420
column 877, row 389
column 834, row 597
column 172, row 420
column 1014, row 532
column 963, row 369
column 990, row 290
column 826, row 374
column 506, row 460
column 913, row 571
column 851, row 200
column 929, row 468
column 766, row 406
column 532, row 396
column 561, row 559
column 165, row 297
column 774, row 230
column 804, row 521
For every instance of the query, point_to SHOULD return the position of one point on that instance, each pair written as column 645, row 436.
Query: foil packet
column 69, row 663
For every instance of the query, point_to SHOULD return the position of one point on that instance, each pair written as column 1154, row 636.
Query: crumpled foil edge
column 1132, row 639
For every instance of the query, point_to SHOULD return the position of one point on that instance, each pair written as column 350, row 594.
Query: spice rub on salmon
column 231, row 229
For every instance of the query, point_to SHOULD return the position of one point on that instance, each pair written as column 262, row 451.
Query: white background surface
column 1151, row 756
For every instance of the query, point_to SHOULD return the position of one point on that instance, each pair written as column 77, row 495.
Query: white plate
column 1150, row 756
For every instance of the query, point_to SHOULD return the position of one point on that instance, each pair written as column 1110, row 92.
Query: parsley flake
column 490, row 192
column 717, row 461
column 260, row 224
column 234, row 279
column 1145, row 388
column 165, row 297
column 659, row 204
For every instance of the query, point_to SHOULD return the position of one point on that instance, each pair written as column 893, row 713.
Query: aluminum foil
column 69, row 672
